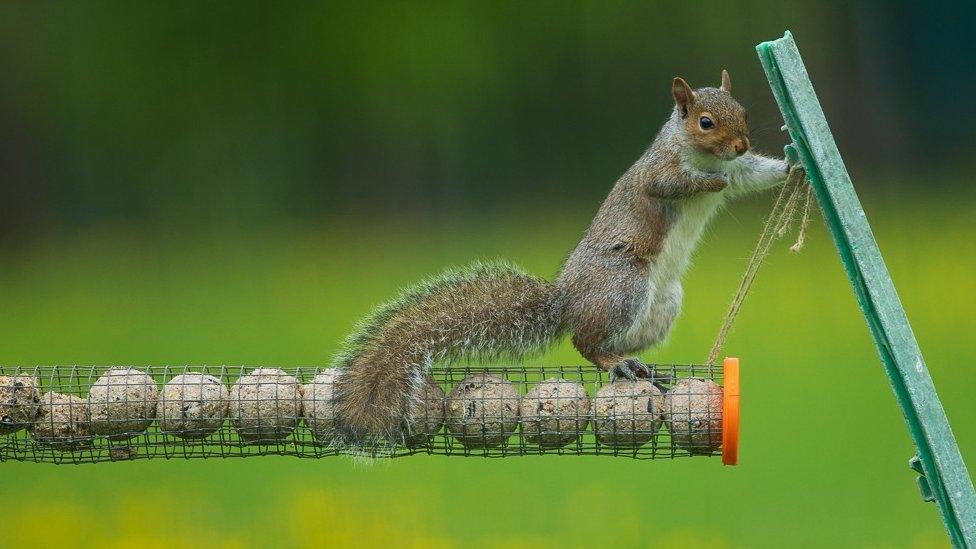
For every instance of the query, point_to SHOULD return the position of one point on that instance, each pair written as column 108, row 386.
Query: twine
column 777, row 224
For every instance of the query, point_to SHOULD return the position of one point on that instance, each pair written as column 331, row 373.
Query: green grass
column 824, row 450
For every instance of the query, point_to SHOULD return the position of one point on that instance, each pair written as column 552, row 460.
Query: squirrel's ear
column 726, row 82
column 684, row 98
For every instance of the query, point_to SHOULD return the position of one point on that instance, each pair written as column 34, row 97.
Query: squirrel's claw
column 796, row 171
column 622, row 370
column 639, row 367
column 629, row 369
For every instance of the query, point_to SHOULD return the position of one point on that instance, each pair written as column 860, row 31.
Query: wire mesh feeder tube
column 84, row 414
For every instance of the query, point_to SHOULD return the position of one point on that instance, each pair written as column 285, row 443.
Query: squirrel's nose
column 741, row 145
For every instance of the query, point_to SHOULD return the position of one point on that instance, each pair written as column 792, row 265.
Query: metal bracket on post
column 944, row 478
column 923, row 483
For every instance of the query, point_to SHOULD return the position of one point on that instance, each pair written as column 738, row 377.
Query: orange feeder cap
column 730, row 411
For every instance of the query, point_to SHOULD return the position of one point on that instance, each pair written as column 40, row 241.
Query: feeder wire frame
column 293, row 435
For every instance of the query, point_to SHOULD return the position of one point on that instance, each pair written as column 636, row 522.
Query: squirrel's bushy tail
column 484, row 311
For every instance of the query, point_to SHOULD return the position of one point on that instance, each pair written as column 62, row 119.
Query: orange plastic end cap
column 730, row 411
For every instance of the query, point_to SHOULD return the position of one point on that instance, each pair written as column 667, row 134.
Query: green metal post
column 943, row 476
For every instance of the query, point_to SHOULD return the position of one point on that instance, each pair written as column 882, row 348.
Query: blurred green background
column 191, row 183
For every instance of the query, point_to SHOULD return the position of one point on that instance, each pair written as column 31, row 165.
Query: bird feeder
column 76, row 414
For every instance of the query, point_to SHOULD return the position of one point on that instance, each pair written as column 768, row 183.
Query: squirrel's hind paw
column 629, row 368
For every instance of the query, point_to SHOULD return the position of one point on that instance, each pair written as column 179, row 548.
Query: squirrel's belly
column 662, row 302
column 653, row 320
column 683, row 237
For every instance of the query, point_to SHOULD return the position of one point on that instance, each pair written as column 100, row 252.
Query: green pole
column 943, row 476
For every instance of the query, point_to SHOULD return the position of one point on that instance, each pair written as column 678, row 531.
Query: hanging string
column 777, row 224
column 804, row 223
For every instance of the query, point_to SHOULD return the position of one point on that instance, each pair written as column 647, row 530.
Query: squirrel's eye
column 706, row 123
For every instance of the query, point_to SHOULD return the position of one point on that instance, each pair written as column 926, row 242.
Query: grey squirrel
column 619, row 291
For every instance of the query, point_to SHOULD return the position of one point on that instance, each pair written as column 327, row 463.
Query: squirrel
column 619, row 291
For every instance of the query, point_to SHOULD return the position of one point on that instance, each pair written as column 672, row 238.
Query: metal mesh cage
column 84, row 414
